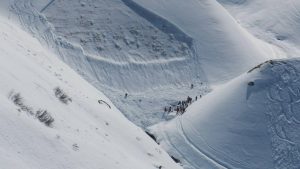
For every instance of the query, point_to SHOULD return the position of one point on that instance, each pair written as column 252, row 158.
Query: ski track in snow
column 50, row 3
column 209, row 158
column 223, row 164
column 180, row 152
column 186, row 149
column 206, row 158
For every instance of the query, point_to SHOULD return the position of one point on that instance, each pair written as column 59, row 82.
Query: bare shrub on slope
column 45, row 117
column 62, row 96
column 42, row 115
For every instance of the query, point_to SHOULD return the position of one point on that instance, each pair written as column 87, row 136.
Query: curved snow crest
column 106, row 61
column 252, row 122
column 277, row 24
column 46, row 6
column 161, row 23
column 220, row 43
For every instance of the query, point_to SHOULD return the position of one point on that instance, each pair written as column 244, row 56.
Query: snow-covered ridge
column 252, row 122
column 277, row 24
column 221, row 44
column 159, row 22
column 84, row 133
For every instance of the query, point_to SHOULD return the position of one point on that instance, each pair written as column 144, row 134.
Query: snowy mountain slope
column 109, row 36
column 220, row 43
column 84, row 134
column 153, row 50
column 251, row 122
column 145, row 47
column 274, row 21
column 161, row 64
column 119, row 33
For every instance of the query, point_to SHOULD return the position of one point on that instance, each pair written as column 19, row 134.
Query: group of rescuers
column 181, row 106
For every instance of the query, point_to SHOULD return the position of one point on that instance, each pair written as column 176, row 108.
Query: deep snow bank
column 84, row 134
column 252, row 122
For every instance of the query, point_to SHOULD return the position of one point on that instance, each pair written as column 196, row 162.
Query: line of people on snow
column 181, row 106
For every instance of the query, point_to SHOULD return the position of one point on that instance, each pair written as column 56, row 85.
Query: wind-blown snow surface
column 274, row 21
column 153, row 50
column 145, row 48
column 241, row 125
column 220, row 43
column 118, row 51
column 84, row 135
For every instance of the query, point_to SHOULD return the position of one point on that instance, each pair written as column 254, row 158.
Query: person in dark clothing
column 189, row 100
column 170, row 109
column 251, row 83
column 165, row 109
column 192, row 86
column 196, row 98
column 126, row 95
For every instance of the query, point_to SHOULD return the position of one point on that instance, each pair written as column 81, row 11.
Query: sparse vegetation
column 62, row 96
column 44, row 117
column 75, row 147
column 18, row 100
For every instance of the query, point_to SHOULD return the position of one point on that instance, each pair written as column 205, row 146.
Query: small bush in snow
column 17, row 99
column 41, row 114
column 62, row 96
column 75, row 147
column 44, row 117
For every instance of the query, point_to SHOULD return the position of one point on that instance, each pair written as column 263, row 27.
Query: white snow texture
column 65, row 66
